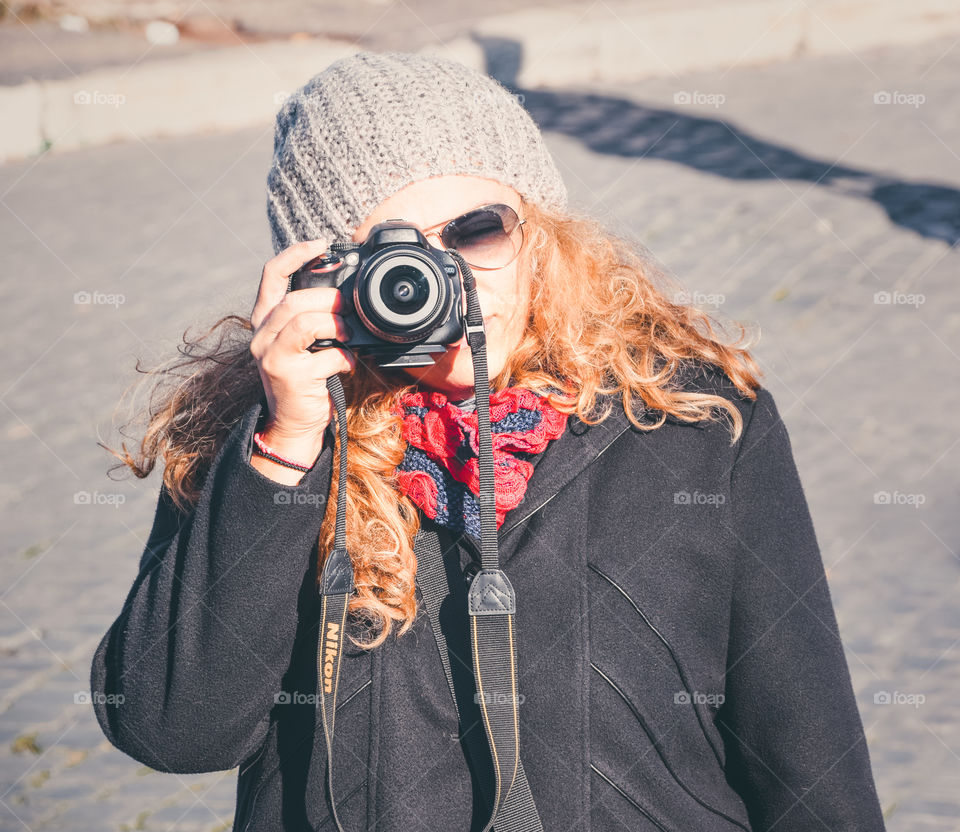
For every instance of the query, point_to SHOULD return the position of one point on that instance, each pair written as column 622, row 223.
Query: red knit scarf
column 440, row 470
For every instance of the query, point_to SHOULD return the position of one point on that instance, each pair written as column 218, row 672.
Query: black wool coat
column 680, row 667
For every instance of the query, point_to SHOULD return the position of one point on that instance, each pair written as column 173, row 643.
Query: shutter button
column 471, row 570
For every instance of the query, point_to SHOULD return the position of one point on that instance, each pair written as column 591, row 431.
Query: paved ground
column 787, row 197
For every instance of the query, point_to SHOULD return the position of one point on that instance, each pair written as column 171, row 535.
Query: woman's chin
column 450, row 374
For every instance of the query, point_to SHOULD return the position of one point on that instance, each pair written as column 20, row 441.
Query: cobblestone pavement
column 816, row 200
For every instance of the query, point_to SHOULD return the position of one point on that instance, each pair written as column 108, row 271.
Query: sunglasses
column 488, row 237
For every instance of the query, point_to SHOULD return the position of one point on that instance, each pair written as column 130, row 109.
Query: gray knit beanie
column 372, row 123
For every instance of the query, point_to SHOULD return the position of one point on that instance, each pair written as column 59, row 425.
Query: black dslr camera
column 402, row 295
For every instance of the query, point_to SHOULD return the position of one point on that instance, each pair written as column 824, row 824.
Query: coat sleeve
column 184, row 679
column 796, row 750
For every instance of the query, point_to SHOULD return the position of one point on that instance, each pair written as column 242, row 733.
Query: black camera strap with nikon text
column 491, row 604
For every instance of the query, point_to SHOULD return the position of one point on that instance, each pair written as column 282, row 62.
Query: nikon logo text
column 330, row 655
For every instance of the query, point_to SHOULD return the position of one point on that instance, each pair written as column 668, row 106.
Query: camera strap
column 519, row 812
column 491, row 604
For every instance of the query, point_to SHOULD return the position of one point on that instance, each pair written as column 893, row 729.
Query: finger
column 319, row 301
column 336, row 360
column 323, row 363
column 306, row 327
column 331, row 360
column 276, row 271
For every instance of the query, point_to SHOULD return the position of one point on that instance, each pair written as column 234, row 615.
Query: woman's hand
column 294, row 379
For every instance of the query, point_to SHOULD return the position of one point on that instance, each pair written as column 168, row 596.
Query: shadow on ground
column 622, row 127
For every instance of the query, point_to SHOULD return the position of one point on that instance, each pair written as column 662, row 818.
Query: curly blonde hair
column 602, row 324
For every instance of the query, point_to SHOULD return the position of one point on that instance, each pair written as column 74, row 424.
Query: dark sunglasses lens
column 488, row 238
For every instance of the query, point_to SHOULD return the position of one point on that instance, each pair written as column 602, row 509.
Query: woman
column 678, row 656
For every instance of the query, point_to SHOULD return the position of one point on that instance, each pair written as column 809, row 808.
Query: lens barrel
column 402, row 295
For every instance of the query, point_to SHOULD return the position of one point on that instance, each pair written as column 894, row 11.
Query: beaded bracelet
column 264, row 450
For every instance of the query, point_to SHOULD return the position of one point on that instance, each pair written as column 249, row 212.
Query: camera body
column 402, row 296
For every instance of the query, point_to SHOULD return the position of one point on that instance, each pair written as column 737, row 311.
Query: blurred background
column 794, row 163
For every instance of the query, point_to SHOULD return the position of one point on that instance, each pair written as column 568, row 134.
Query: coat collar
column 561, row 462
column 563, row 459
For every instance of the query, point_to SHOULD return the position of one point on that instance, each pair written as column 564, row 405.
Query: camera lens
column 402, row 295
column 404, row 289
